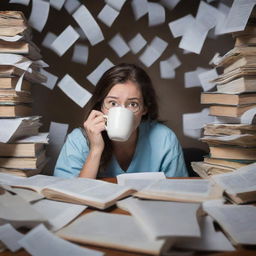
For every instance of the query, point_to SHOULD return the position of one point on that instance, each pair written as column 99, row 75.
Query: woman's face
column 128, row 95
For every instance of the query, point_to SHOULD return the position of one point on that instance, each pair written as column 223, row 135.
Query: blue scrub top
column 157, row 150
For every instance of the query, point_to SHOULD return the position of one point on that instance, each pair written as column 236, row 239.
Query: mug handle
column 106, row 119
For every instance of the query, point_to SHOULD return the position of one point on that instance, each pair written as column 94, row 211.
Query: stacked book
column 19, row 67
column 231, row 145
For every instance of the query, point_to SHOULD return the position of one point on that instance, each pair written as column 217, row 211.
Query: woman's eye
column 113, row 103
column 134, row 104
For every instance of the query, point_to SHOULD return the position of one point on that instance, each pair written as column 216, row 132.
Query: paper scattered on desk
column 194, row 122
column 9, row 236
column 65, row 40
column 8, row 128
column 71, row 5
column 179, row 26
column 51, row 79
column 249, row 117
column 57, row 4
column 48, row 40
column 52, row 245
column 137, row 43
column 96, row 74
column 153, row 51
column 108, row 15
column 118, row 44
column 116, row 4
column 24, row 2
column 39, row 14
column 238, row 16
column 211, row 240
column 206, row 77
column 88, row 24
column 191, row 78
column 170, row 4
column 168, row 66
column 140, row 8
column 42, row 137
column 156, row 14
column 80, row 54
column 74, row 91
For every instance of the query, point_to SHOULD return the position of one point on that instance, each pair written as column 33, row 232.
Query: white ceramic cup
column 119, row 123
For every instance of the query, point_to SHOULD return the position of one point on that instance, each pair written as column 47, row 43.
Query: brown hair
column 120, row 74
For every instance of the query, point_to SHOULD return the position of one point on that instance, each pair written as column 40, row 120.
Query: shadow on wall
column 193, row 155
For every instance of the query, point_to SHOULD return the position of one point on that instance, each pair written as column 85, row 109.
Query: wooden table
column 112, row 252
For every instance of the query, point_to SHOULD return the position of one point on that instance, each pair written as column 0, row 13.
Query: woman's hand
column 93, row 126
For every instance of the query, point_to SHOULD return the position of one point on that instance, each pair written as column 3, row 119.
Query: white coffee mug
column 119, row 123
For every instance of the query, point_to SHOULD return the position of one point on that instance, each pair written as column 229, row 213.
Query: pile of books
column 20, row 63
column 231, row 145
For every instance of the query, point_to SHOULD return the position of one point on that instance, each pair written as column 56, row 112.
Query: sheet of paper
column 207, row 15
column 71, row 5
column 27, row 194
column 74, row 91
column 48, row 40
column 57, row 136
column 11, row 38
column 211, row 240
column 108, row 15
column 42, row 137
column 24, row 2
column 179, row 26
column 9, row 236
column 57, row 4
column 170, row 4
column 192, row 123
column 249, row 117
column 39, row 14
column 140, row 8
column 88, row 24
column 223, row 13
column 206, row 77
column 8, row 127
column 118, row 44
column 96, row 74
column 168, row 66
column 153, row 51
column 51, row 79
column 116, row 4
column 156, row 14
column 52, row 245
column 81, row 33
column 58, row 214
column 238, row 16
column 80, row 54
column 137, row 43
column 191, row 78
column 193, row 38
column 65, row 40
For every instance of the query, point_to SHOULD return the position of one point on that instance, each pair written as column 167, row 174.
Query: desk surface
column 112, row 252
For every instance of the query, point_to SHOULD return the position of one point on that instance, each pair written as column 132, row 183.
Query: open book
column 239, row 186
column 181, row 190
column 96, row 193
column 237, row 221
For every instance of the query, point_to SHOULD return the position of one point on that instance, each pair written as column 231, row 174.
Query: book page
column 242, row 180
column 87, row 189
column 52, row 245
column 110, row 230
column 237, row 221
column 57, row 213
column 211, row 240
column 139, row 180
column 160, row 219
column 9, row 236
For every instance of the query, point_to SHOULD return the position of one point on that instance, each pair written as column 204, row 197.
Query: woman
column 152, row 147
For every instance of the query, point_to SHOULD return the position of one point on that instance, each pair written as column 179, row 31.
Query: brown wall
column 174, row 98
